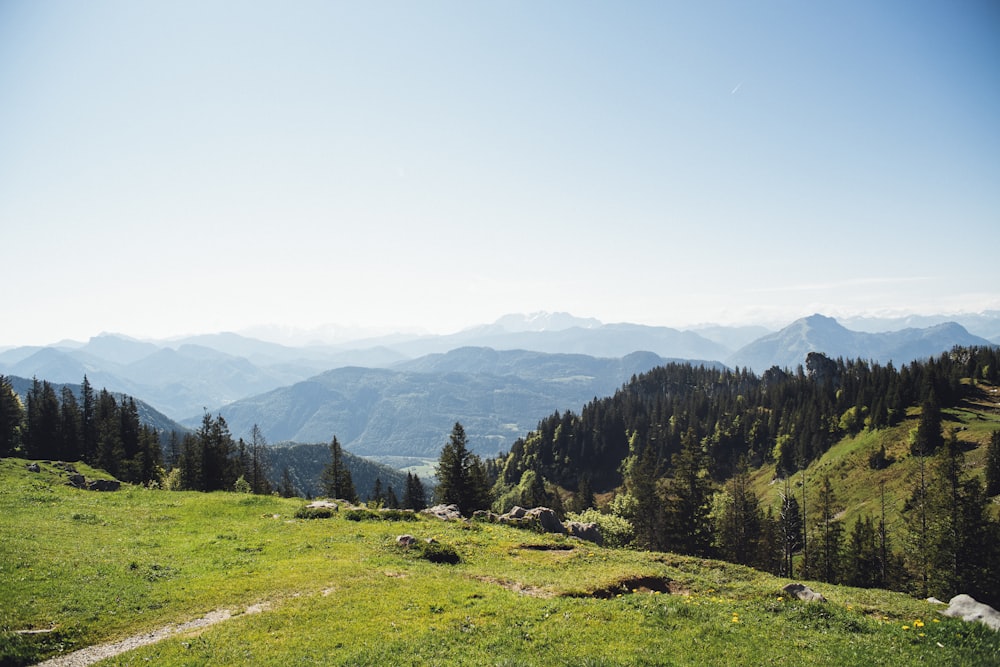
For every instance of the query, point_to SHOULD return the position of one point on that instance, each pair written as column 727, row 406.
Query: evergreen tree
column 286, row 488
column 993, row 465
column 258, row 465
column 861, row 555
column 70, row 426
column 11, row 418
column 827, row 546
column 189, row 462
column 789, row 528
column 336, row 478
column 88, row 421
column 958, row 544
column 462, row 479
column 110, row 452
column 689, row 492
column 414, row 496
column 584, row 497
column 391, row 500
column 738, row 522
column 928, row 436
column 377, row 496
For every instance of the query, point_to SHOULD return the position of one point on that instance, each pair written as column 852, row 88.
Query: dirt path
column 91, row 654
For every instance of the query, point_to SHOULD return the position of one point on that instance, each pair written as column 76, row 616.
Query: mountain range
column 410, row 409
column 364, row 390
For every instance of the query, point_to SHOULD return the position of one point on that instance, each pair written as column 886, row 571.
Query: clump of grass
column 379, row 515
column 314, row 513
column 437, row 552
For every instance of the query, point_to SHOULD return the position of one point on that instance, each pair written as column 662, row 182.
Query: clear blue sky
column 181, row 167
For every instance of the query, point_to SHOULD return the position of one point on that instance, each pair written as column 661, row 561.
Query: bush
column 436, row 552
column 616, row 531
column 379, row 515
column 314, row 513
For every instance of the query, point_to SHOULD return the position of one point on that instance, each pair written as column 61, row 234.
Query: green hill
column 79, row 568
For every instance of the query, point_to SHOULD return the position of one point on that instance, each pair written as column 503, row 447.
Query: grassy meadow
column 78, row 568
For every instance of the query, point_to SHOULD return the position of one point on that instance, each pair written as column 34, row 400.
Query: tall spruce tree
column 11, row 418
column 462, row 479
column 336, row 478
column 414, row 496
column 689, row 494
column 829, row 535
column 993, row 465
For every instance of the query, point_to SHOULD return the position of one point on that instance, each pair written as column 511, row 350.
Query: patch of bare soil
column 92, row 654
column 634, row 585
column 519, row 588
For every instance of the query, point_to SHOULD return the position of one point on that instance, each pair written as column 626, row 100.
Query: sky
column 183, row 167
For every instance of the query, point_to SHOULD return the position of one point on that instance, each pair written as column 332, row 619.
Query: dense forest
column 106, row 431
column 674, row 448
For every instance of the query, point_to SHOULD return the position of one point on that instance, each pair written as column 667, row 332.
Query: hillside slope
column 80, row 568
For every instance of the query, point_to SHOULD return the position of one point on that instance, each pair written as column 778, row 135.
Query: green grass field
column 80, row 568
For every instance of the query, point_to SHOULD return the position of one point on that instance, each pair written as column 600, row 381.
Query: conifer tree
column 789, row 528
column 993, row 465
column 336, row 479
column 377, row 496
column 739, row 522
column 461, row 475
column 827, row 546
column 414, row 496
column 689, row 529
column 11, row 418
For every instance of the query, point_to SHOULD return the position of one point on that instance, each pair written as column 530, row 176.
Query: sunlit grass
column 94, row 567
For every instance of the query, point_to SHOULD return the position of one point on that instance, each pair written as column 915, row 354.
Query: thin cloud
column 841, row 284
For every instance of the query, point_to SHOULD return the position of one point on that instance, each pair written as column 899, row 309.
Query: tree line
column 674, row 449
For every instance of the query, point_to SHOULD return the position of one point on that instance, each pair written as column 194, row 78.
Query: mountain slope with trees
column 725, row 462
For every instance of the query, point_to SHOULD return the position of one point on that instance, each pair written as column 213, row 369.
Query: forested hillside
column 675, row 450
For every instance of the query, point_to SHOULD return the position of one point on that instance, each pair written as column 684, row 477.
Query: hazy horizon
column 174, row 168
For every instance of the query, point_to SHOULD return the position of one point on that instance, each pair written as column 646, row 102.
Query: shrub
column 436, row 552
column 379, row 515
column 616, row 531
column 314, row 513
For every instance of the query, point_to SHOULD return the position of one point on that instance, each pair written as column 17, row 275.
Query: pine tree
column 461, row 475
column 414, row 496
column 88, row 421
column 11, row 418
column 258, row 465
column 377, row 497
column 689, row 492
column 584, row 497
column 789, row 528
column 337, row 481
column 738, row 524
column 827, row 546
column 286, row 489
column 993, row 465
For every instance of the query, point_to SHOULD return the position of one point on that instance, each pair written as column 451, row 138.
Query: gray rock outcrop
column 585, row 531
column 967, row 608
column 444, row 512
column 804, row 593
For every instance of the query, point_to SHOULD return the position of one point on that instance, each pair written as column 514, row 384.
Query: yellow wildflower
column 906, row 627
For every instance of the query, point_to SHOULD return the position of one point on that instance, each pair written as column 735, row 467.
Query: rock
column 104, row 485
column 430, row 540
column 585, row 531
column 33, row 467
column 547, row 519
column 485, row 515
column 405, row 540
column 966, row 608
column 323, row 504
column 77, row 480
column 804, row 593
column 934, row 600
column 444, row 512
column 515, row 512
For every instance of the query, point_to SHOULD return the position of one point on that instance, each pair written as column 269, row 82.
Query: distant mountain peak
column 544, row 321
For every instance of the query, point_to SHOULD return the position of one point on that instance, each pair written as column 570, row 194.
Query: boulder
column 322, row 504
column 104, row 485
column 444, row 512
column 405, row 540
column 547, row 519
column 585, row 531
column 804, row 593
column 967, row 608
column 33, row 467
column 516, row 512
column 485, row 516
column 77, row 480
